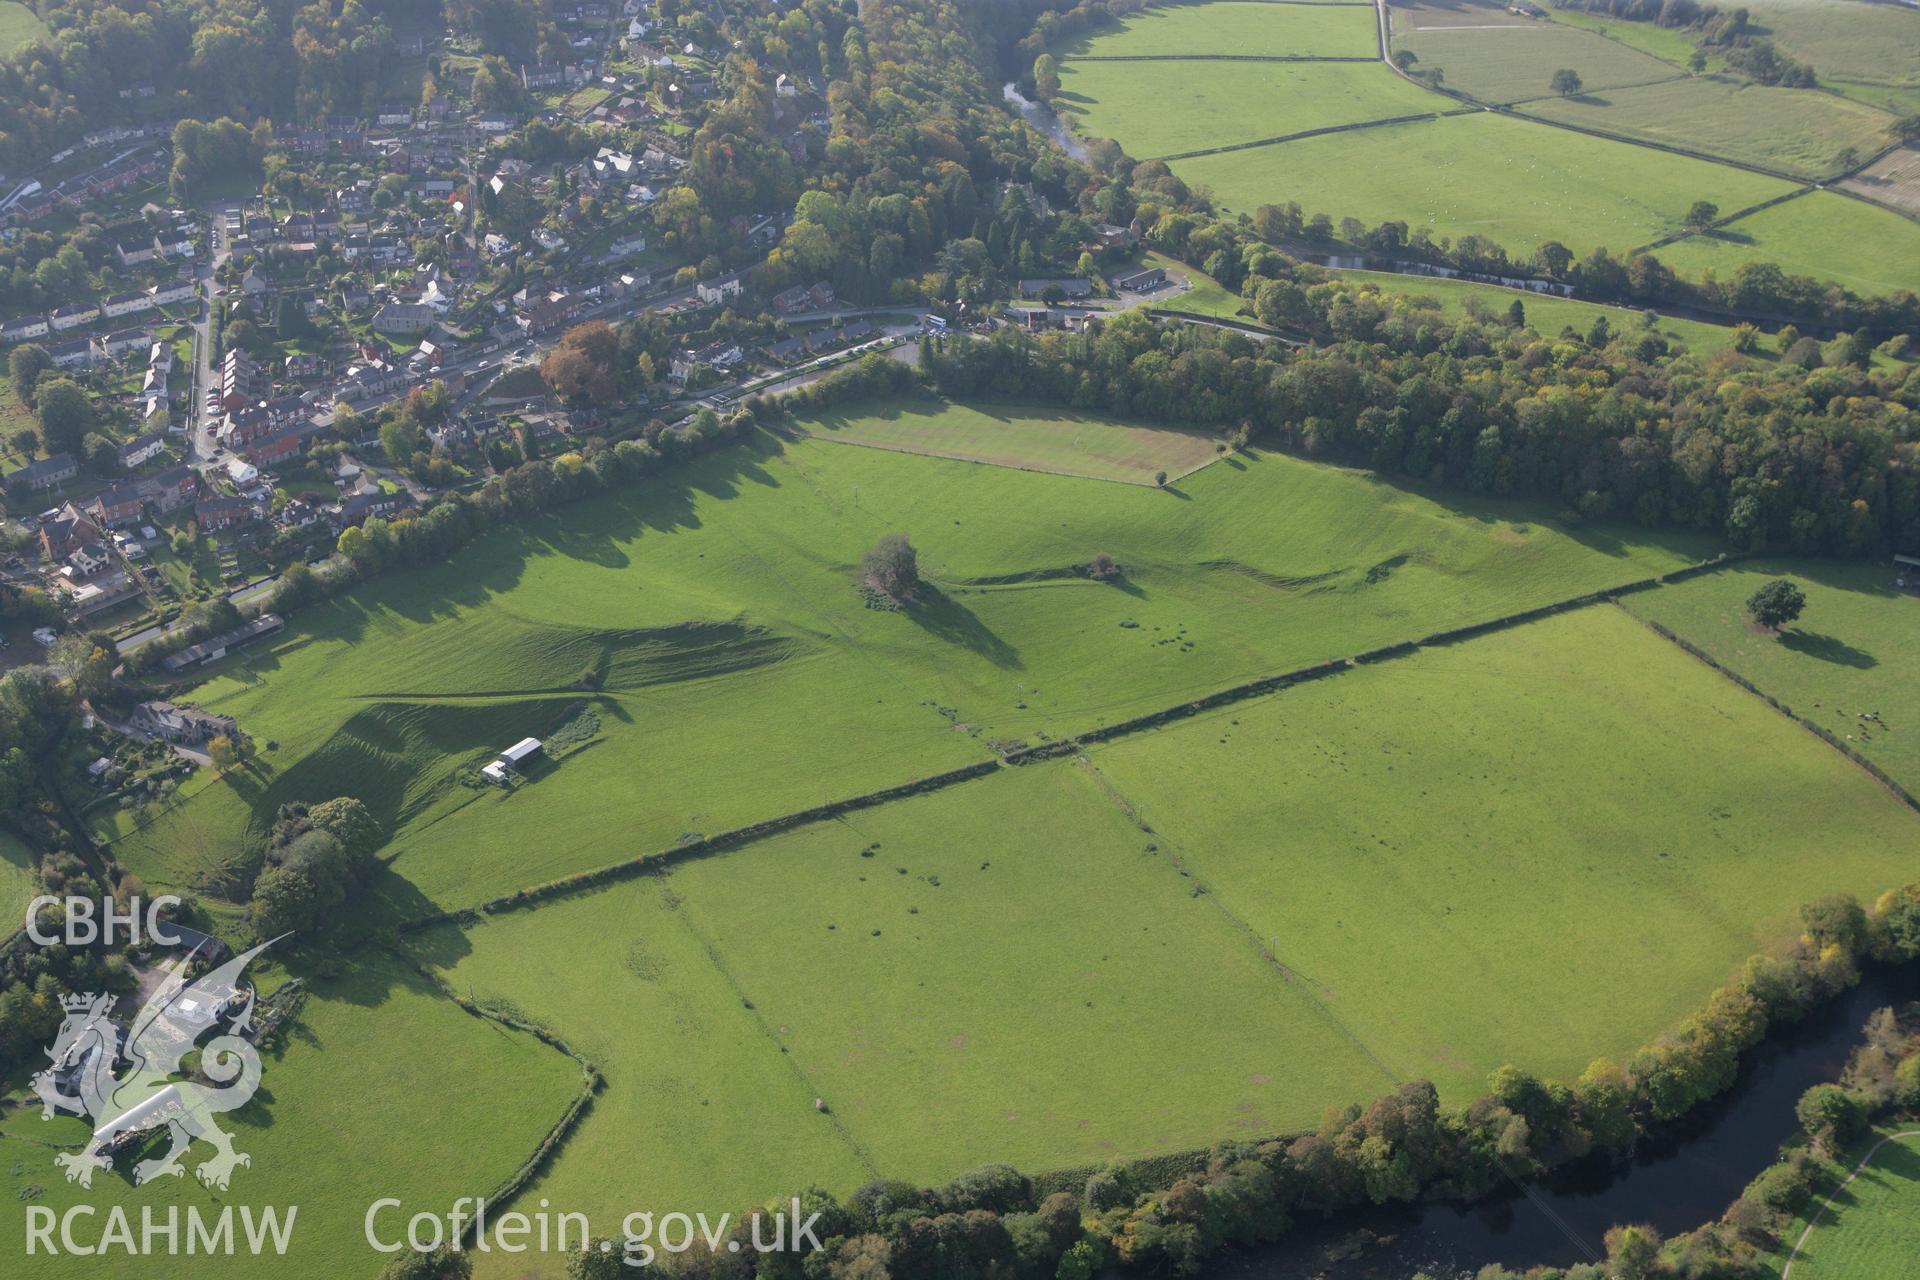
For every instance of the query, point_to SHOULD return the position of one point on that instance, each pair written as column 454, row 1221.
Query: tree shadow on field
column 945, row 618
column 1828, row 649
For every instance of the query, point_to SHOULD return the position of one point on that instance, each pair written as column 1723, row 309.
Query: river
column 1686, row 1177
column 1041, row 117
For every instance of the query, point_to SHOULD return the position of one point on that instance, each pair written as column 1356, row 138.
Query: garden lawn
column 738, row 673
column 1010, row 970
column 1826, row 235
column 1539, row 846
column 1872, row 1228
column 699, row 1109
column 1851, row 651
column 1516, row 183
column 1513, row 63
column 384, row 1088
column 1204, row 295
column 1249, row 28
column 1546, row 313
column 1059, row 441
column 1796, row 130
column 1165, row 108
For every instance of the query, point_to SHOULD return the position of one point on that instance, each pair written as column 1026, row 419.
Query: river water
column 1686, row 1177
column 1041, row 117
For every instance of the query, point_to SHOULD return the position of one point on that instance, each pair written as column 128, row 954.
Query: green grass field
column 741, row 676
column 1874, row 43
column 699, row 1109
column 1872, row 1228
column 1479, row 853
column 385, row 1088
column 1023, row 967
column 19, row 882
column 1519, row 184
column 1850, row 652
column 1826, row 235
column 1164, row 108
column 1250, row 28
column 1546, row 313
column 19, row 27
column 1795, row 130
column 1513, row 63
column 1061, row 443
column 1671, row 44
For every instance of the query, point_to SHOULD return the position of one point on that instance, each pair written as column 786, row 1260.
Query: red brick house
column 223, row 513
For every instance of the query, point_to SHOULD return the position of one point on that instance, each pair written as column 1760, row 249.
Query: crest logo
column 131, row 1084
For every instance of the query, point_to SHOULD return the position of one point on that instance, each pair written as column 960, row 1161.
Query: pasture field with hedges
column 386, row 1083
column 1867, row 249
column 1405, row 867
column 1866, row 43
column 1514, row 61
column 1515, row 182
column 1443, row 846
column 1850, row 652
column 739, row 675
column 1169, row 108
column 1397, row 871
column 1001, row 970
column 1246, row 28
column 1793, row 130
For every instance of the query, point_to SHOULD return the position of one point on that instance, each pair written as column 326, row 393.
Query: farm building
column 520, row 752
column 210, row 650
column 496, row 773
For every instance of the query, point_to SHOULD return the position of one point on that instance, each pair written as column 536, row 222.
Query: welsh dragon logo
column 154, row 1091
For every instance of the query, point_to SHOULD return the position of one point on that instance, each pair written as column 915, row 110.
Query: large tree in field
column 66, row 415
column 25, row 365
column 1776, row 604
column 1565, row 82
column 1702, row 214
column 893, row 567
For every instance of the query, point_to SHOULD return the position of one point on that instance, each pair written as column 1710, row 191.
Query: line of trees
column 1609, row 424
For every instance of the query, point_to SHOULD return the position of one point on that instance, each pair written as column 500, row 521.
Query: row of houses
column 75, row 314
